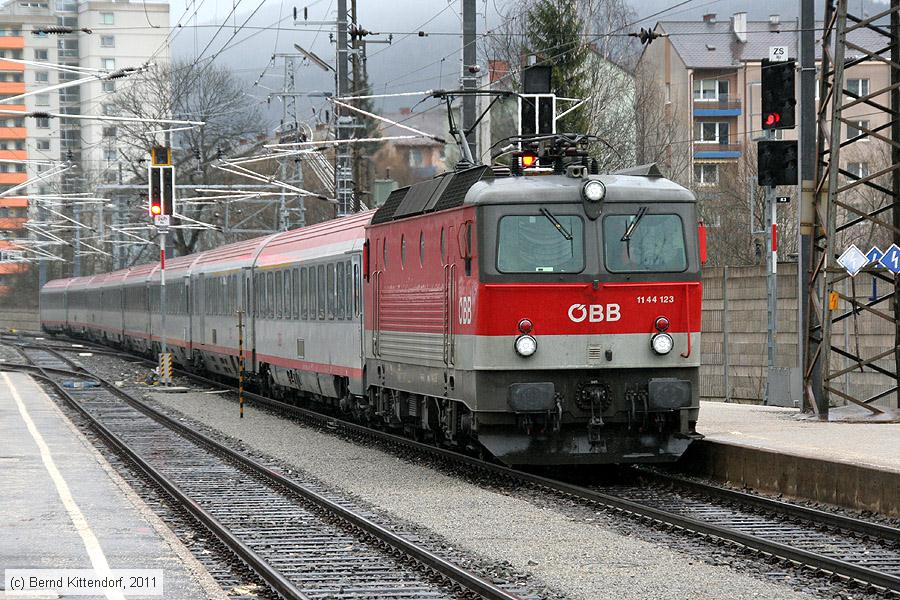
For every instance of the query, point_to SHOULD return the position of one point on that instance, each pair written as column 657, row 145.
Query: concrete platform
column 856, row 465
column 63, row 507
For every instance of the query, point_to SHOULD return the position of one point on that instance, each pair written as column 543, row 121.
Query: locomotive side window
column 402, row 251
column 421, row 248
column 443, row 246
column 320, row 275
column 644, row 243
column 340, row 290
column 534, row 244
column 384, row 253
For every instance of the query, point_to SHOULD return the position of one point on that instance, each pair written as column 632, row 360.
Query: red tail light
column 701, row 241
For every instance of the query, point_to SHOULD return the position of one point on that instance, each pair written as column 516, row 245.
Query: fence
column 744, row 327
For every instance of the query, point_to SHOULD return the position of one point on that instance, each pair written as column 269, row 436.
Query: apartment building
column 710, row 71
column 122, row 34
column 18, row 136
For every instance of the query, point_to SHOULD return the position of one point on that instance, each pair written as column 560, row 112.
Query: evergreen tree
column 554, row 36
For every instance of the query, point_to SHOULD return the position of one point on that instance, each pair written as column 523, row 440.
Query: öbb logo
column 595, row 313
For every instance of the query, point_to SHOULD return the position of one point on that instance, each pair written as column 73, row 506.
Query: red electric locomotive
column 550, row 319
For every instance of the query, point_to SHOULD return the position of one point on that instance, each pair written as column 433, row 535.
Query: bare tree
column 186, row 90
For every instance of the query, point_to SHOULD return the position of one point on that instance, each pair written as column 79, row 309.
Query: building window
column 706, row 173
column 109, row 86
column 109, row 155
column 43, row 144
column 108, row 18
column 109, row 132
column 107, row 41
column 855, row 129
column 859, row 87
column 42, row 99
column 711, row 132
column 859, row 169
column 43, row 123
column 416, row 158
column 40, row 54
column 109, row 64
column 42, row 77
column 710, row 89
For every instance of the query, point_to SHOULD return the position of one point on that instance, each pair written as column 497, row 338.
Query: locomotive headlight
column 526, row 345
column 593, row 190
column 662, row 343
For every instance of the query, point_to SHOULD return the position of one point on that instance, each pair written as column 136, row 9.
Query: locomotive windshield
column 644, row 243
column 534, row 244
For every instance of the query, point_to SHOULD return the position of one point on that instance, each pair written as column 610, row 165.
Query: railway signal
column 777, row 162
column 161, row 178
column 778, row 96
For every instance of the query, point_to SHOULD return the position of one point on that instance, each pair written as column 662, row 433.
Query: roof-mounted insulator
column 40, row 115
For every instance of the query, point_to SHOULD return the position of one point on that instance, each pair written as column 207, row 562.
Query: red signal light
column 529, row 160
column 772, row 119
column 155, row 209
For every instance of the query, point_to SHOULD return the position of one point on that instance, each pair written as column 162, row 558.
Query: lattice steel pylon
column 854, row 205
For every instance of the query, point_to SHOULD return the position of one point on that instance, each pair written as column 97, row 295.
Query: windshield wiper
column 626, row 237
column 559, row 226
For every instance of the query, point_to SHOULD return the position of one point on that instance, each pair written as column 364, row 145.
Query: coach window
column 356, row 290
column 270, row 294
column 313, row 294
column 340, row 290
column 288, row 294
column 279, row 293
column 257, row 288
column 348, row 303
column 320, row 275
column 304, row 290
column 295, row 293
column 329, row 270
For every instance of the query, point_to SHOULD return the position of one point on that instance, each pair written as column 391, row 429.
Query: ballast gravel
column 578, row 558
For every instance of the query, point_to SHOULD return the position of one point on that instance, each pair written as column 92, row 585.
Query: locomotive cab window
column 643, row 242
column 542, row 243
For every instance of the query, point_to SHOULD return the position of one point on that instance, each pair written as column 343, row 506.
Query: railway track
column 846, row 548
column 302, row 542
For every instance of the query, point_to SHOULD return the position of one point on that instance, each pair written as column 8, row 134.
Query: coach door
column 248, row 321
column 199, row 325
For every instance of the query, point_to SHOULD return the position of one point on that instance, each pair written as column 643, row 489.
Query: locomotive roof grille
column 444, row 191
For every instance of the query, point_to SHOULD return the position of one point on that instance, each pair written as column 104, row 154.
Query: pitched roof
column 710, row 45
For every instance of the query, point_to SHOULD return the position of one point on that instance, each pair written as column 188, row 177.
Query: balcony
column 717, row 150
column 725, row 106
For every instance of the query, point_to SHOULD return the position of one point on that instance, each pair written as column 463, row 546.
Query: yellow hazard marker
column 833, row 301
